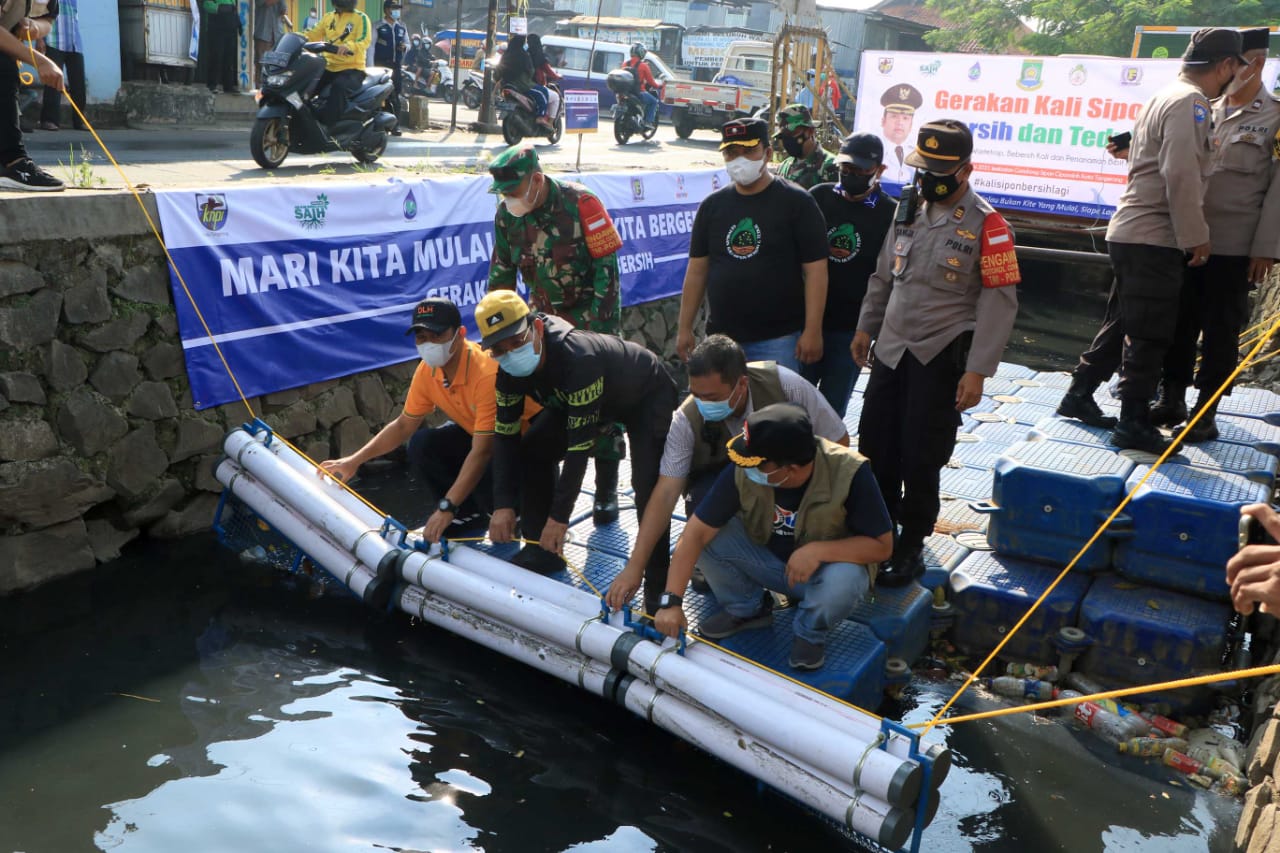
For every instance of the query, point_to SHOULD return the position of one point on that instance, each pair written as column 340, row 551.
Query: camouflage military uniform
column 548, row 248
column 818, row 168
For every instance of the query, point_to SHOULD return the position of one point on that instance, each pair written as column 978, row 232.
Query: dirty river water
column 178, row 702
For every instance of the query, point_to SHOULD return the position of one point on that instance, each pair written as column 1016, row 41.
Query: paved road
column 165, row 156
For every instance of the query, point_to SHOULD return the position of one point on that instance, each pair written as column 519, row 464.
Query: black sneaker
column 1086, row 410
column 901, row 569
column 605, row 511
column 806, row 655
column 1204, row 430
column 537, row 559
column 26, row 175
column 1135, row 434
column 723, row 624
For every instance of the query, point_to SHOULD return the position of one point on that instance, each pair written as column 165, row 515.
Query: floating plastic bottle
column 1032, row 670
column 1166, row 725
column 1231, row 785
column 1106, row 725
column 1151, row 747
column 1029, row 688
column 1083, row 683
column 1183, row 762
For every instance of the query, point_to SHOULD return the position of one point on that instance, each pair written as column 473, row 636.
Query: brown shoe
column 48, row 125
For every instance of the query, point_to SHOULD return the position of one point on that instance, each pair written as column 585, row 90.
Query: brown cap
column 941, row 146
column 903, row 98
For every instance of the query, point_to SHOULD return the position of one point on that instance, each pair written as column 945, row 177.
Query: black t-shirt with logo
column 756, row 245
column 865, row 513
column 855, row 232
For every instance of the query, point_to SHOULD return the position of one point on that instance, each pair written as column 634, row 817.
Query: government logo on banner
column 312, row 215
column 211, row 209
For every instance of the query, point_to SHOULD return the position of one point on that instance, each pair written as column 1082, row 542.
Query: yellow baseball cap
column 501, row 314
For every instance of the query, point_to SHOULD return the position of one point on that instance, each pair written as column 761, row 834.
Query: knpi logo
column 211, row 208
column 410, row 206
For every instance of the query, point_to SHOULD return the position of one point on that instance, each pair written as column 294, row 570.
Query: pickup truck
column 738, row 89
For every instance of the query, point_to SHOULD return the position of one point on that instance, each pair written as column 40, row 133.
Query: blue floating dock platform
column 1249, row 462
column 1250, row 431
column 854, row 669
column 957, row 516
column 1049, row 498
column 1186, row 527
column 1041, row 395
column 1053, row 379
column 942, row 553
column 983, row 446
column 1252, row 403
column 1009, row 370
column 991, row 593
column 1145, row 635
column 899, row 617
column 1068, row 429
column 1024, row 413
column 965, row 482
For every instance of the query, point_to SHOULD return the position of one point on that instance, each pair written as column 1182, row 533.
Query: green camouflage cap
column 510, row 167
column 793, row 117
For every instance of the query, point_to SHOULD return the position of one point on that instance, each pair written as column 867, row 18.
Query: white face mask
column 1238, row 82
column 524, row 205
column 744, row 171
column 437, row 355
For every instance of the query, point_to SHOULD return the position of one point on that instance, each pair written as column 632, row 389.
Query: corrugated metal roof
column 607, row 22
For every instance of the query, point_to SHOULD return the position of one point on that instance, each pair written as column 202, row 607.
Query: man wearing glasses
column 587, row 382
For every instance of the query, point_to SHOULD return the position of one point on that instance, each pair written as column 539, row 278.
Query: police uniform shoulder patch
column 999, row 261
column 959, row 214
column 1200, row 110
column 602, row 238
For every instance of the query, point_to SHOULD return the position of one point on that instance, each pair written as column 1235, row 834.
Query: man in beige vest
column 795, row 514
column 724, row 389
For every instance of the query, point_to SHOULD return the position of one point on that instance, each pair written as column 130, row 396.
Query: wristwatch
column 669, row 599
column 447, row 505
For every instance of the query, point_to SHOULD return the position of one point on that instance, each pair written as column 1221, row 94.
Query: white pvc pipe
column 279, row 515
column 872, row 818
column 839, row 753
column 815, row 705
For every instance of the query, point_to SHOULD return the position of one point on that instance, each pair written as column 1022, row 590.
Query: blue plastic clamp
column 643, row 628
column 258, row 425
column 889, row 727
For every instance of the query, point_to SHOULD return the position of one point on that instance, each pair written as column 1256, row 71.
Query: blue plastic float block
column 1003, row 433
column 965, row 482
column 1008, row 370
column 1043, row 395
column 956, row 516
column 1250, row 431
column 617, row 539
column 1071, row 430
column 1144, row 635
column 996, row 385
column 976, row 452
column 968, row 421
column 1249, row 462
column 991, row 593
column 860, row 382
column 1106, row 400
column 1050, row 498
column 1024, row 413
column 1251, row 403
column 854, row 669
column 942, row 553
column 1185, row 523
column 984, row 404
column 505, row 551
column 899, row 617
column 624, row 477
column 589, row 569
column 853, row 414
column 1054, row 379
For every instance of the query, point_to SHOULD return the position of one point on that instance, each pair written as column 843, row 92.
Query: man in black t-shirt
column 585, row 382
column 858, row 217
column 758, row 255
column 795, row 514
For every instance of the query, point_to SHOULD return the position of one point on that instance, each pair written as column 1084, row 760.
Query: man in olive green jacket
column 795, row 514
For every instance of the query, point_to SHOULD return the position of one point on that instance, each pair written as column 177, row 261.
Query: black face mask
column 856, row 185
column 936, row 187
column 794, row 147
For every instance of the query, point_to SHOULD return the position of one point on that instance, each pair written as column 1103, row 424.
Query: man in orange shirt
column 457, row 377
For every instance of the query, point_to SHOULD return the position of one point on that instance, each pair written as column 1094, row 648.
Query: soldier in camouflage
column 560, row 239
column 808, row 164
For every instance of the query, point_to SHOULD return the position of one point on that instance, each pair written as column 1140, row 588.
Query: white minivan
column 572, row 59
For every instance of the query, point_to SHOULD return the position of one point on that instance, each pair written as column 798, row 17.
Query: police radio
column 908, row 204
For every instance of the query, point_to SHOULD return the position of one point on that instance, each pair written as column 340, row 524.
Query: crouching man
column 795, row 514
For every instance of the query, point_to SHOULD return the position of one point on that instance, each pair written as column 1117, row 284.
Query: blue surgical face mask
column 521, row 361
column 395, row 14
column 755, row 475
column 713, row 411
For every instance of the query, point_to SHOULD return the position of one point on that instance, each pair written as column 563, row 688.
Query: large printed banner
column 1040, row 124
column 305, row 283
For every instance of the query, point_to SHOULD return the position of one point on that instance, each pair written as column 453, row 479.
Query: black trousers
column 436, row 455
column 51, row 106
column 397, row 82
column 1215, row 305
column 1141, row 317
column 908, row 431
column 11, row 147
column 646, row 427
column 342, row 84
column 223, row 43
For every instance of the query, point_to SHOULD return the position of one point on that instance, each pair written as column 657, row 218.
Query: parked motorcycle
column 434, row 80
column 472, row 93
column 519, row 118
column 628, row 112
column 290, row 107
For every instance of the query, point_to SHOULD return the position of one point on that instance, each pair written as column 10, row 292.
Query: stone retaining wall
column 99, row 442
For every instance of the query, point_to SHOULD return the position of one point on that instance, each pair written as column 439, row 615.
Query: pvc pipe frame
column 832, row 751
column 582, row 602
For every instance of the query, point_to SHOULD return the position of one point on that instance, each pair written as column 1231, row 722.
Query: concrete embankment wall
column 99, row 442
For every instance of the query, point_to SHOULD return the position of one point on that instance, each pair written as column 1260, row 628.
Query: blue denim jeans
column 738, row 569
column 650, row 106
column 782, row 350
column 835, row 373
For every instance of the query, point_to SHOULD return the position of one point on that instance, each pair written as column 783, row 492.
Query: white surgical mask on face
column 437, row 355
column 1239, row 82
column 523, row 205
column 744, row 171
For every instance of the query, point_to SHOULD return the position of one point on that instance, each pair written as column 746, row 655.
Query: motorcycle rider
column 544, row 75
column 389, row 50
column 349, row 30
column 515, row 70
column 645, row 84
